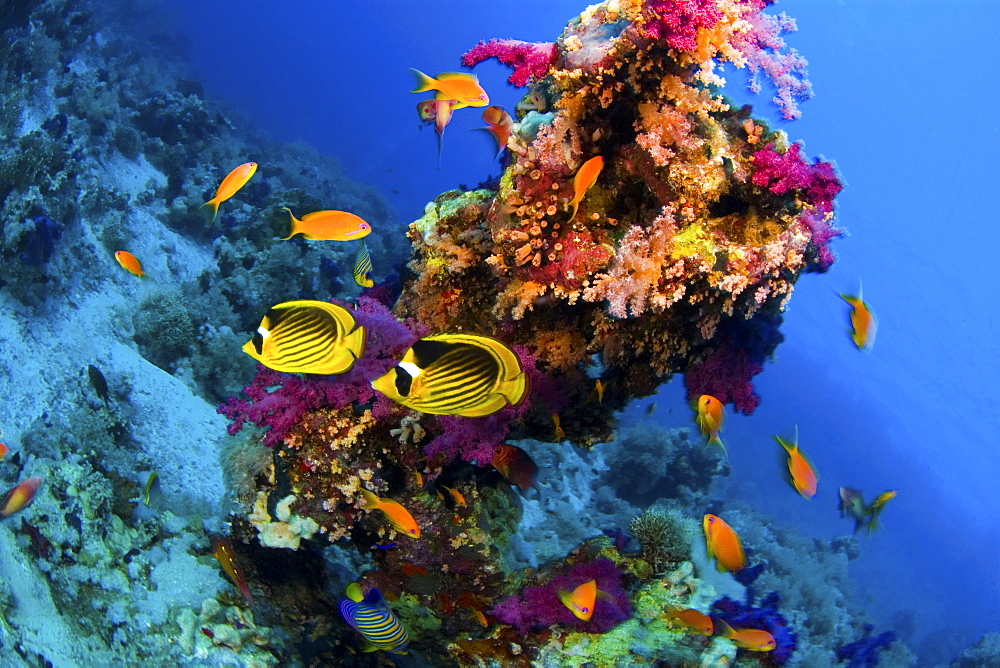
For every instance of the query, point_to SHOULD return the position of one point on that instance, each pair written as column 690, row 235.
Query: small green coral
column 665, row 535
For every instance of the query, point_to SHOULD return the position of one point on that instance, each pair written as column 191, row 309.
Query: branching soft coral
column 540, row 607
column 676, row 22
column 530, row 60
column 781, row 172
column 277, row 400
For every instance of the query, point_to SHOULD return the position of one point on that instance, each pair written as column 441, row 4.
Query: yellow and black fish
column 372, row 617
column 362, row 270
column 456, row 374
column 307, row 336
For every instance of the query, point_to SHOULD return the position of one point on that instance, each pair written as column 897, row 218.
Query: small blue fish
column 362, row 270
column 387, row 546
column 372, row 617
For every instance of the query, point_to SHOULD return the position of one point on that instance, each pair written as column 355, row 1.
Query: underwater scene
column 643, row 333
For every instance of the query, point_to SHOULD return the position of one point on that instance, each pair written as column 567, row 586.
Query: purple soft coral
column 780, row 172
column 727, row 375
column 764, row 617
column 677, row 21
column 277, row 400
column 540, row 607
column 530, row 60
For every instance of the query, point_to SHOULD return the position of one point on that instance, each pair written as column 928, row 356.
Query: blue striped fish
column 362, row 270
column 372, row 617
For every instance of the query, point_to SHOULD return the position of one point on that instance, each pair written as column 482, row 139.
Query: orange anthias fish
column 755, row 640
column 439, row 111
column 517, row 466
column 223, row 551
column 130, row 263
column 709, row 418
column 498, row 123
column 328, row 226
column 723, row 544
column 585, row 177
column 230, row 185
column 19, row 497
column 559, row 433
column 398, row 516
column 863, row 322
column 4, row 450
column 803, row 475
column 457, row 495
column 698, row 622
column 459, row 86
column 599, row 388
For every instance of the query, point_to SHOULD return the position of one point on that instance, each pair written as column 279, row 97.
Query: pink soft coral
column 530, row 60
column 540, row 607
column 676, row 22
column 782, row 172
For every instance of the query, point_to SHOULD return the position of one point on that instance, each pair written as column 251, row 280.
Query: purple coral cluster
column 677, row 21
column 765, row 617
column 530, row 60
column 780, row 172
column 864, row 652
column 278, row 400
column 540, row 607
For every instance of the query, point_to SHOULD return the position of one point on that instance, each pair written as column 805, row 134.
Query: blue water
column 904, row 105
column 905, row 117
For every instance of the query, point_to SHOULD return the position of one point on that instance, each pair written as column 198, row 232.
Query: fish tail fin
column 576, row 206
column 724, row 629
column 293, row 222
column 355, row 342
column 210, row 209
column 715, row 440
column 424, row 82
column 440, row 147
column 371, row 501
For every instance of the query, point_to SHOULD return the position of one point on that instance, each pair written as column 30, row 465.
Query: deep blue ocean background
column 903, row 105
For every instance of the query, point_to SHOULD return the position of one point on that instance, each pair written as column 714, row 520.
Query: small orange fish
column 420, row 479
column 130, row 263
column 863, row 322
column 223, row 552
column 755, row 640
column 459, row 86
column 709, row 419
column 230, row 185
column 599, row 388
column 803, row 474
column 455, row 494
column 398, row 516
column 479, row 617
column 328, row 226
column 4, row 450
column 19, row 497
column 722, row 543
column 585, row 177
column 499, row 124
column 439, row 111
column 698, row 622
column 559, row 433
column 517, row 466
column 581, row 600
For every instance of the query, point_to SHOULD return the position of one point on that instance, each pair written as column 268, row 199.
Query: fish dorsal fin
column 457, row 75
column 354, row 592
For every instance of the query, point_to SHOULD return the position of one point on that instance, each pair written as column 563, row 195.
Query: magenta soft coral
column 677, row 21
column 540, row 607
column 782, row 172
column 278, row 400
column 530, row 60
column 726, row 374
